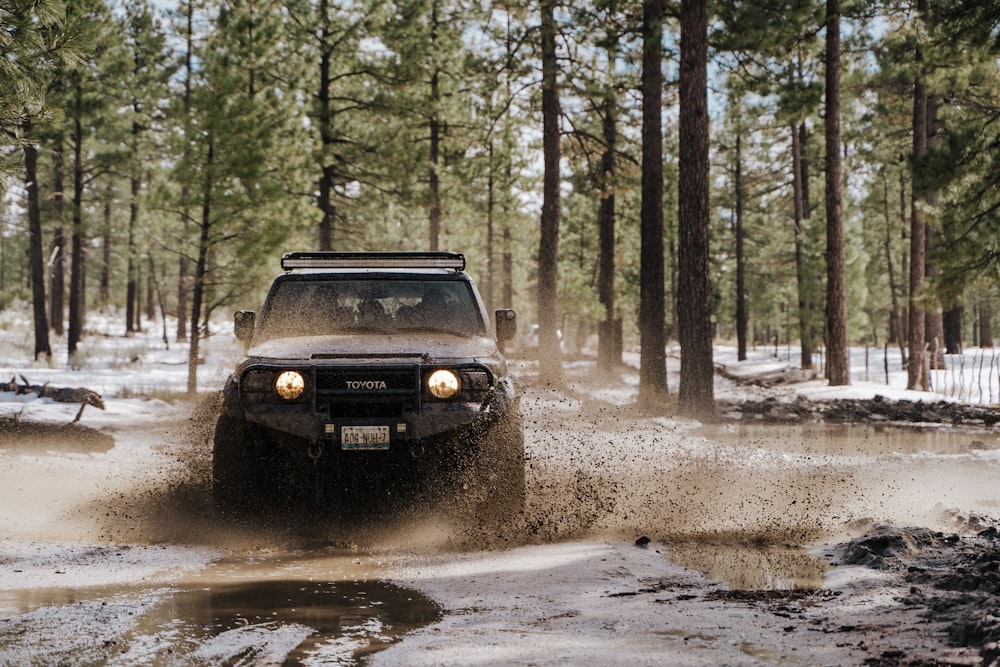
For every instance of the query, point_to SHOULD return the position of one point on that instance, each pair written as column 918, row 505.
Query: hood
column 436, row 347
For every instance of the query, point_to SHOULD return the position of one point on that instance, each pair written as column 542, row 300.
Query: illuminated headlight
column 290, row 385
column 443, row 384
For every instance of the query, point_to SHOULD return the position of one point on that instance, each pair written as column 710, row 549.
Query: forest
column 822, row 174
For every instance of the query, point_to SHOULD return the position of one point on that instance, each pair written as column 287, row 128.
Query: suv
column 368, row 375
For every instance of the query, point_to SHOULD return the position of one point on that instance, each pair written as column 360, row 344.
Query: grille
column 354, row 381
column 380, row 392
column 367, row 410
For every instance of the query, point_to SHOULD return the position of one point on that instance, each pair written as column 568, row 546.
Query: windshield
column 339, row 306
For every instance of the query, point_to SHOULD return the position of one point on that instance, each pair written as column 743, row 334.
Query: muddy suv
column 368, row 376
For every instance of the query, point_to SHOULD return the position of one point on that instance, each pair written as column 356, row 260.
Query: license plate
column 364, row 437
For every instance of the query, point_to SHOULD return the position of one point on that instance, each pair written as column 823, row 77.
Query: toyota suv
column 368, row 376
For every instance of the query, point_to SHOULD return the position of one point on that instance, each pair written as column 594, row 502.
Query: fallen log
column 80, row 395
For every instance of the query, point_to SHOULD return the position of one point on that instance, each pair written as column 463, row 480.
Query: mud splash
column 740, row 502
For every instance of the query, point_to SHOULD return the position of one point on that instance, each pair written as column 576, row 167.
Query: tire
column 500, row 471
column 236, row 475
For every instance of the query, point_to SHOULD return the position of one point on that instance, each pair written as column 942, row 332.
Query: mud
column 859, row 411
column 24, row 436
column 952, row 578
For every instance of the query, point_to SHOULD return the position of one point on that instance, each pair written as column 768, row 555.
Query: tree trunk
column 35, row 255
column 895, row 323
column 106, row 243
column 133, row 309
column 606, row 227
column 57, row 281
column 150, row 294
column 741, row 290
column 183, row 271
column 57, row 285
column 507, row 298
column 155, row 283
column 952, row 321
column 694, row 317
column 489, row 295
column 935, row 320
column 434, row 215
column 132, row 286
column 76, row 288
column 918, row 228
column 672, row 267
column 652, row 340
column 934, row 323
column 137, row 308
column 550, row 363
column 328, row 172
column 508, row 269
column 804, row 170
column 985, row 323
column 838, row 361
column 802, row 276
column 200, row 270
column 183, row 268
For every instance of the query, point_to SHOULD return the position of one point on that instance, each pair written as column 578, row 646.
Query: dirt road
column 766, row 545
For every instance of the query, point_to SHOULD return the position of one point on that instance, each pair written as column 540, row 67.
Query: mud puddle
column 851, row 439
column 766, row 568
column 301, row 608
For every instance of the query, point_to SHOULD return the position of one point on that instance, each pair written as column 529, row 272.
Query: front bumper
column 409, row 420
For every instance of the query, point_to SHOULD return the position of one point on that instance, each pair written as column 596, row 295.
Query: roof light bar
column 373, row 260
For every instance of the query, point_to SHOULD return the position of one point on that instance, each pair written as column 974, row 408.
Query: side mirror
column 243, row 325
column 506, row 324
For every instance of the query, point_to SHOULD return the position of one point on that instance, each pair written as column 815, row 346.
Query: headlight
column 443, row 384
column 290, row 385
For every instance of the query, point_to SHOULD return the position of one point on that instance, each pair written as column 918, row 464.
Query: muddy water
column 300, row 608
column 306, row 607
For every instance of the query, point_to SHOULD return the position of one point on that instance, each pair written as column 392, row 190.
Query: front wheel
column 499, row 475
column 236, row 474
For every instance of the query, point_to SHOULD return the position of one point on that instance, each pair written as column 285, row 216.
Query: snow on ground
column 139, row 376
column 973, row 376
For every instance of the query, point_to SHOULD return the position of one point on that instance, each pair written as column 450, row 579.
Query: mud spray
column 739, row 502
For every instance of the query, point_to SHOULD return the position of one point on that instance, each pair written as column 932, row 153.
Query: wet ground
column 767, row 544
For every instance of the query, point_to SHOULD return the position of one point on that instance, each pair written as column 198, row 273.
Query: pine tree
column 35, row 39
column 88, row 98
column 769, row 46
column 149, row 71
column 838, row 368
column 337, row 78
column 918, row 229
column 230, row 166
column 696, row 395
column 652, row 361
column 548, row 246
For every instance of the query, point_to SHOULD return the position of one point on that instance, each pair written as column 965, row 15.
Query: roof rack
column 373, row 260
